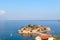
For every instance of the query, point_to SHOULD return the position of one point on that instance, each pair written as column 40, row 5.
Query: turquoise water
column 11, row 26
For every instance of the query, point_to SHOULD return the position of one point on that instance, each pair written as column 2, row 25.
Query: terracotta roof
column 28, row 29
column 45, row 36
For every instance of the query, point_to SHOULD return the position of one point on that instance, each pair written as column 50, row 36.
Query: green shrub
column 5, row 38
column 33, row 39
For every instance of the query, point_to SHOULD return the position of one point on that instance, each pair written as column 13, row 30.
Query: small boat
column 11, row 35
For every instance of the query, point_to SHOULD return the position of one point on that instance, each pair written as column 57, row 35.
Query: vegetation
column 29, row 25
column 44, row 28
column 26, row 27
column 33, row 39
column 5, row 38
column 31, row 31
column 57, row 37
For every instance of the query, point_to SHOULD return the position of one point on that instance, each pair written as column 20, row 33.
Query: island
column 37, row 29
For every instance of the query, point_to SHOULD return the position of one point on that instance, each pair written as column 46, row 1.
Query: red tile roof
column 45, row 36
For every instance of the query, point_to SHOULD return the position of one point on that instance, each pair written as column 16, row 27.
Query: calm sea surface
column 11, row 26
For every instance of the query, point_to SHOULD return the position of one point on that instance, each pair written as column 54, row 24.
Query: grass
column 57, row 37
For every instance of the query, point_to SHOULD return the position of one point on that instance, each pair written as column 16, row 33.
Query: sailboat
column 11, row 35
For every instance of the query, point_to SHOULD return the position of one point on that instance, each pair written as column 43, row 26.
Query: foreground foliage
column 57, row 37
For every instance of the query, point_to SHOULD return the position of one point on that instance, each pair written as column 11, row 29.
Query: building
column 44, row 37
column 34, row 29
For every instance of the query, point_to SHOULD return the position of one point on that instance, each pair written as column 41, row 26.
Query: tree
column 33, row 39
column 5, row 38
column 31, row 31
column 29, row 25
column 44, row 28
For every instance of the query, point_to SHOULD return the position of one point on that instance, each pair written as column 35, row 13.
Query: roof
column 45, row 36
column 28, row 29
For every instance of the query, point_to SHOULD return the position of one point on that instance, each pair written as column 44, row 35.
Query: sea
column 9, row 28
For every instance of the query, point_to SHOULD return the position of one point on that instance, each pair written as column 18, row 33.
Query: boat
column 11, row 35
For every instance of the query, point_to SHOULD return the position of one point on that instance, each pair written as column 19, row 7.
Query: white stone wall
column 51, row 38
column 37, row 38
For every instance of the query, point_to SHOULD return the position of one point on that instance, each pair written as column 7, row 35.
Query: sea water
column 10, row 27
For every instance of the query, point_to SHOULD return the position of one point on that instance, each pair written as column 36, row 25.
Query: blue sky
column 29, row 9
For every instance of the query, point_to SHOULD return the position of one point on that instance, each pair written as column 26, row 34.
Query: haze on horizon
column 29, row 9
